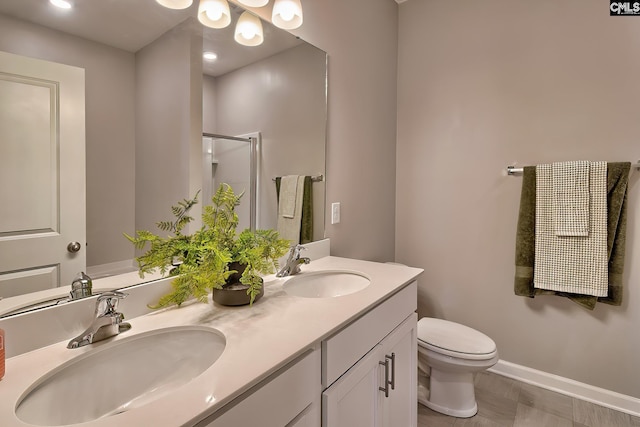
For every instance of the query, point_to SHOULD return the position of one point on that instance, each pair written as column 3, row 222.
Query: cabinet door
column 353, row 400
column 400, row 349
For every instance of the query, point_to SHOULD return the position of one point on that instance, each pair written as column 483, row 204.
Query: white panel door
column 42, row 174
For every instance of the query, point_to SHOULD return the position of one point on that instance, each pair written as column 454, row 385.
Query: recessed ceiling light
column 62, row 4
column 210, row 56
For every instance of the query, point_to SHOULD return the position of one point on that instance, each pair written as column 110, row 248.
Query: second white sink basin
column 120, row 376
column 326, row 284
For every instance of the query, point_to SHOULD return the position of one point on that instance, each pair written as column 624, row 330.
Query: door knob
column 74, row 247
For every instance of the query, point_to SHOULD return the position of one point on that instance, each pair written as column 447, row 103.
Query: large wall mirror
column 153, row 111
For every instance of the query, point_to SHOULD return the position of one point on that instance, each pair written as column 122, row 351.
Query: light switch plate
column 335, row 213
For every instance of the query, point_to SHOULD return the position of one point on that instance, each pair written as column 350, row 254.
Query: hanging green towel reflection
column 306, row 226
column 617, row 181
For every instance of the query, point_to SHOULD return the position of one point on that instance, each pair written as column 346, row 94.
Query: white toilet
column 448, row 356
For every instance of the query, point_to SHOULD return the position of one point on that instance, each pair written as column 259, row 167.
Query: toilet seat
column 455, row 340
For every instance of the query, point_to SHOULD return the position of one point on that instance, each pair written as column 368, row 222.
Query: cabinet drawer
column 346, row 347
column 277, row 401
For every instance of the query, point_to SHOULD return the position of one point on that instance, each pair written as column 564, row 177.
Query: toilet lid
column 454, row 337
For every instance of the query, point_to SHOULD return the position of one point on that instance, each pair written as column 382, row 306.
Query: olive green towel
column 617, row 180
column 306, row 226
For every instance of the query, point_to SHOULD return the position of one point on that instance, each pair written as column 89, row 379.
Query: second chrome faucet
column 292, row 266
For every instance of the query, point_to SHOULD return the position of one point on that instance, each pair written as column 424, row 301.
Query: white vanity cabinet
column 365, row 376
column 374, row 387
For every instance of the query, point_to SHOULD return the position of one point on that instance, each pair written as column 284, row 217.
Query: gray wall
column 482, row 85
column 168, row 126
column 360, row 37
column 110, row 129
column 283, row 98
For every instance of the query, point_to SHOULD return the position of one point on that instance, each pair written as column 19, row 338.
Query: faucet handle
column 295, row 251
column 107, row 302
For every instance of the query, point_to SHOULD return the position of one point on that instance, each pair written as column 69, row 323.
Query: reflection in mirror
column 232, row 160
column 148, row 99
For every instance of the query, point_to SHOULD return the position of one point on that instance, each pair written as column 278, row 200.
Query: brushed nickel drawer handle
column 393, row 369
column 386, row 377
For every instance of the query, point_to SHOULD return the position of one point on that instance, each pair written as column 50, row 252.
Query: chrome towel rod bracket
column 513, row 171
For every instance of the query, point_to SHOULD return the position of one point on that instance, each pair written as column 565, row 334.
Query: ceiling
column 131, row 25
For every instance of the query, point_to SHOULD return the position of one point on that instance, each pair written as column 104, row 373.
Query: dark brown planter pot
column 235, row 293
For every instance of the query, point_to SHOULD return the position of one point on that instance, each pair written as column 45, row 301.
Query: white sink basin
column 120, row 376
column 326, row 284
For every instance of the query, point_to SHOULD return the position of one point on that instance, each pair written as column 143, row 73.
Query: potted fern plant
column 212, row 259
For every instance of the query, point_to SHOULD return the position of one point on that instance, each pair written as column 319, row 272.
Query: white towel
column 575, row 264
column 288, row 194
column 289, row 226
column 571, row 198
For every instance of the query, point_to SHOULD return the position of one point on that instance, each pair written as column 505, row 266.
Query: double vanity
column 334, row 345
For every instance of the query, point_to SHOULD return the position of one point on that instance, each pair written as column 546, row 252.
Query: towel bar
column 512, row 170
column 314, row 178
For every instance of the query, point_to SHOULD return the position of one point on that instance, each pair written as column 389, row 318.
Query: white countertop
column 261, row 338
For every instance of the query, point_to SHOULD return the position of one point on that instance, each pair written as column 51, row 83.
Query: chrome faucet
column 81, row 287
column 292, row 266
column 107, row 322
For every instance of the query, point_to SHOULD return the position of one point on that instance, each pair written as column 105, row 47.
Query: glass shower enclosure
column 233, row 160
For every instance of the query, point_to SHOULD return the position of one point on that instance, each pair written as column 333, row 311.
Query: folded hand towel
column 572, row 264
column 617, row 181
column 525, row 235
column 570, row 198
column 288, row 194
column 306, row 226
column 617, row 184
column 289, row 227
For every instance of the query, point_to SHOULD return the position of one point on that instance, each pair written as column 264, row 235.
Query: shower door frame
column 253, row 139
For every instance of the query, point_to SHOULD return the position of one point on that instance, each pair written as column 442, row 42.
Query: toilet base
column 451, row 393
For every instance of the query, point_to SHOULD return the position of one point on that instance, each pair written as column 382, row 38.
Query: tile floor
column 505, row 402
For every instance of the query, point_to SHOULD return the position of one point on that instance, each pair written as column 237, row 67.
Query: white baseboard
column 569, row 387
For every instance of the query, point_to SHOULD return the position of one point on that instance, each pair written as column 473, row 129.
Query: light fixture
column 249, row 30
column 287, row 14
column 62, row 4
column 210, row 56
column 214, row 13
column 175, row 4
column 254, row 3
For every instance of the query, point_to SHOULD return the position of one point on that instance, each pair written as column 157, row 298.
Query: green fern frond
column 204, row 256
column 180, row 212
column 165, row 225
